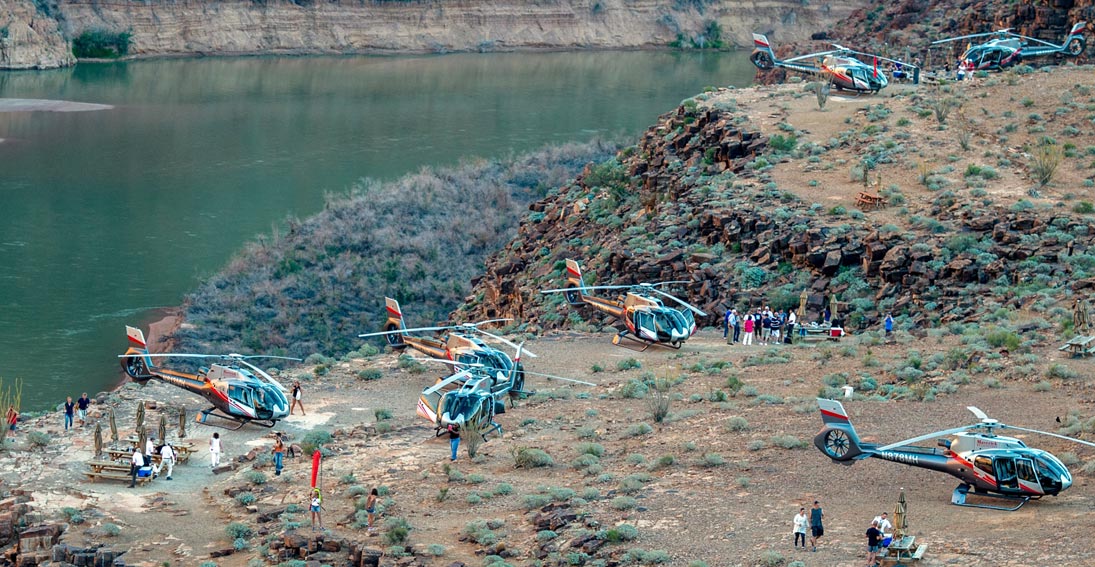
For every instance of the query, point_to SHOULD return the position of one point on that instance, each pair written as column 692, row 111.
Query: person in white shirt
column 136, row 463
column 215, row 451
column 800, row 523
column 167, row 458
column 884, row 524
column 149, row 447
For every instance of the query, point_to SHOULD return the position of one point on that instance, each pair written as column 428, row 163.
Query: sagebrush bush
column 526, row 457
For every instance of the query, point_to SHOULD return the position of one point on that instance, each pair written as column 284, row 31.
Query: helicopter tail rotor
column 136, row 365
column 395, row 323
column 763, row 57
column 837, row 438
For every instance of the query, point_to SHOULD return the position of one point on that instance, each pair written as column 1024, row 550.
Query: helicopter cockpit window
column 991, row 57
column 984, row 463
column 643, row 320
column 1005, row 469
column 1048, row 471
column 242, row 395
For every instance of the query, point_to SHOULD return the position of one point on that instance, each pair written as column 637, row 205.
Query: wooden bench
column 920, row 551
column 1079, row 346
column 112, row 475
column 108, row 466
column 867, row 201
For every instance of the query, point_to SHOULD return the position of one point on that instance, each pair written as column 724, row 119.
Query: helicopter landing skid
column 646, row 344
column 958, row 498
column 204, row 417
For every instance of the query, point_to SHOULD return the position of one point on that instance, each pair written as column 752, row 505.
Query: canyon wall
column 191, row 27
column 31, row 38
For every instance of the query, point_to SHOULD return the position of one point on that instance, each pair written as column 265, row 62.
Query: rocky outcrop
column 675, row 212
column 161, row 27
column 31, row 38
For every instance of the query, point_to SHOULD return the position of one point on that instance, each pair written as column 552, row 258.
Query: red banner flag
column 315, row 467
column 875, row 66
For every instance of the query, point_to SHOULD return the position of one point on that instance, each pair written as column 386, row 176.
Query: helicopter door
column 1005, row 473
column 644, row 326
column 990, row 59
column 1028, row 482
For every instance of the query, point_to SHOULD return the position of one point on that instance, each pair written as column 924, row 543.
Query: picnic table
column 111, row 470
column 814, row 333
column 1079, row 346
column 903, row 551
column 867, row 201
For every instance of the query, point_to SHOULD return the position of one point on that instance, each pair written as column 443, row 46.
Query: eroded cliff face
column 162, row 27
column 31, row 38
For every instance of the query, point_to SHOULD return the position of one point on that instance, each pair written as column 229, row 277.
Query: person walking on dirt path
column 136, row 463
column 454, row 440
column 874, row 544
column 81, row 408
column 799, row 530
column 279, row 454
column 316, row 507
column 296, row 399
column 370, row 507
column 215, row 451
column 167, row 459
column 817, row 529
column 70, row 411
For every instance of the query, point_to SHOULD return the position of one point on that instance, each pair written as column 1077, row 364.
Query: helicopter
column 1008, row 49
column 645, row 316
column 836, row 65
column 471, row 397
column 460, row 345
column 991, row 465
column 240, row 392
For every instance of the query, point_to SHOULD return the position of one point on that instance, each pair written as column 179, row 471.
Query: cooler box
column 144, row 471
column 836, row 332
column 886, row 541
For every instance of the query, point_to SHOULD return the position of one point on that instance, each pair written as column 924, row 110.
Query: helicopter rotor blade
column 583, row 288
column 548, row 376
column 684, row 303
column 1065, row 437
column 655, row 284
column 977, row 412
column 811, row 55
column 262, row 375
column 401, row 331
column 247, row 356
column 166, row 354
column 505, row 341
column 881, row 58
column 927, row 436
column 447, row 361
column 488, row 321
column 971, row 36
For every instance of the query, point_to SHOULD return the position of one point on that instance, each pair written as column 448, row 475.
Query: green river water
column 107, row 215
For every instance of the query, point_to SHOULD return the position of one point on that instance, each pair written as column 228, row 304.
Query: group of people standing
column 877, row 534
column 764, row 326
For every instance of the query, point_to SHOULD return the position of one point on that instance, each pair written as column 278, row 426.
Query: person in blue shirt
column 889, row 324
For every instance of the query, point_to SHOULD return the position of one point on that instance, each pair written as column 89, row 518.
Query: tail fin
column 837, row 438
column 763, row 56
column 137, row 367
column 574, row 280
column 1075, row 42
column 395, row 323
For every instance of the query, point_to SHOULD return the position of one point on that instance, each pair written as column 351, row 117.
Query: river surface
column 106, row 215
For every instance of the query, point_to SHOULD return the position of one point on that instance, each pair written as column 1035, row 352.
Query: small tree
column 822, row 92
column 1044, row 162
column 658, row 398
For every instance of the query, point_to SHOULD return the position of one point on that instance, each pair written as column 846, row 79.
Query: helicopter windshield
column 1052, row 475
column 493, row 361
column 241, row 395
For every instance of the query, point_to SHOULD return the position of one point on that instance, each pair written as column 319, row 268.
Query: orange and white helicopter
column 991, row 465
column 240, row 392
column 641, row 309
column 838, row 66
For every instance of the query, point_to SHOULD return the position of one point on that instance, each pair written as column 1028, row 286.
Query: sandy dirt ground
column 730, row 514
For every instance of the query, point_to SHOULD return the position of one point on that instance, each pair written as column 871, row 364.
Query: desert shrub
column 624, row 503
column 315, row 440
column 621, row 532
column 782, row 144
column 526, row 457
column 237, row 530
column 73, row 515
column 637, row 430
column 382, row 414
column 543, row 536
column 38, row 439
column 712, row 460
column 633, row 389
column 435, row 549
column 1061, row 371
column 245, row 498
column 110, row 530
column 772, row 558
column 256, row 477
column 737, row 423
column 480, row 532
column 534, row 501
column 595, row 449
column 789, row 442
column 397, row 530
column 1003, row 338
column 370, row 374
column 628, row 364
column 1044, row 162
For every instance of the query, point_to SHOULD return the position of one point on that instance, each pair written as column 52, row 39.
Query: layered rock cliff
column 30, row 37
column 161, row 27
